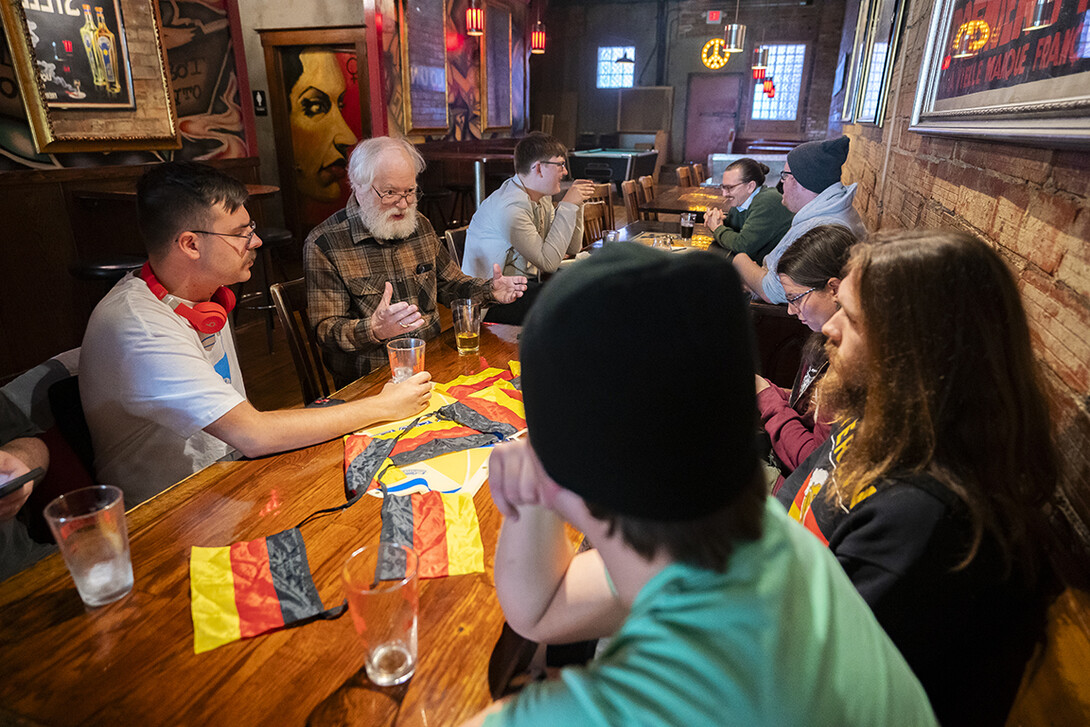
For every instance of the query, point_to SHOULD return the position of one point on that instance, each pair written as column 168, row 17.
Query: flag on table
column 483, row 417
column 246, row 589
column 442, row 529
column 465, row 385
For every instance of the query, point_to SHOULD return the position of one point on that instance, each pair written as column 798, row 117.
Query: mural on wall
column 463, row 74
column 322, row 88
column 201, row 58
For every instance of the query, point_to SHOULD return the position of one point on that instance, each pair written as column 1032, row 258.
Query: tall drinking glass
column 381, row 586
column 406, row 357
column 467, row 325
column 89, row 526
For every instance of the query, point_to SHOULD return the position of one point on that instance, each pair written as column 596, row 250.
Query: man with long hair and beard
column 929, row 491
column 376, row 269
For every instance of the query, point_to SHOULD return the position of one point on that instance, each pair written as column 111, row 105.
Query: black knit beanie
column 816, row 164
column 637, row 374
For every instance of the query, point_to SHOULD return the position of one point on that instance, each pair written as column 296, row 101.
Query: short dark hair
column 706, row 542
column 173, row 197
column 750, row 169
column 537, row 147
column 817, row 256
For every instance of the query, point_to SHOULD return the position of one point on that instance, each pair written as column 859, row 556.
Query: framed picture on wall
column 877, row 35
column 1022, row 75
column 496, row 68
column 81, row 91
column 318, row 98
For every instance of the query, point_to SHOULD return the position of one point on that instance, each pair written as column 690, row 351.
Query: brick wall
column 1033, row 205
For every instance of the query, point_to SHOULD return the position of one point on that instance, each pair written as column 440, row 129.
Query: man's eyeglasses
column 392, row 197
column 796, row 300
column 248, row 237
column 728, row 187
column 555, row 164
column 785, row 175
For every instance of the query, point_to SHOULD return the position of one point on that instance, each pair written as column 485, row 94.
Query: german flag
column 246, row 589
column 442, row 529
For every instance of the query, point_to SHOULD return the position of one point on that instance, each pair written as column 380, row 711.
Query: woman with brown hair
column 810, row 271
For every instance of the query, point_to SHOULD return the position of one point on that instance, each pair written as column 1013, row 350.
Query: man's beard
column 378, row 221
column 841, row 394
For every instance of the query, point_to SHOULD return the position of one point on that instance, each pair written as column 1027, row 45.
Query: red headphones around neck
column 208, row 317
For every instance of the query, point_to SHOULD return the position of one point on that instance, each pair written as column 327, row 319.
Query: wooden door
column 711, row 114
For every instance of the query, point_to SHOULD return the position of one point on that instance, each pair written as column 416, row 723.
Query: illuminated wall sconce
column 1042, row 15
column 970, row 38
column 537, row 38
column 474, row 18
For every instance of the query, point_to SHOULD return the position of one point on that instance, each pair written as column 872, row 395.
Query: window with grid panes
column 785, row 64
column 612, row 74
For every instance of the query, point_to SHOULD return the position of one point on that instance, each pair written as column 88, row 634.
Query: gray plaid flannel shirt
column 346, row 269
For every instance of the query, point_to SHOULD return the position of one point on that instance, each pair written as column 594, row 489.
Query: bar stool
column 109, row 269
column 272, row 238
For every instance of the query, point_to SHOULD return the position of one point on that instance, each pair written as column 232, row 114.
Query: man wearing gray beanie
column 812, row 190
column 721, row 609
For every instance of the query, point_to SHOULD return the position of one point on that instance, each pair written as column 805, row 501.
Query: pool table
column 611, row 165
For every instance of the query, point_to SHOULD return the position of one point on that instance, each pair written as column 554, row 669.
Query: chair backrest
column 699, row 176
column 594, row 217
column 456, row 243
column 604, row 193
column 290, row 300
column 647, row 186
column 631, row 199
column 684, row 177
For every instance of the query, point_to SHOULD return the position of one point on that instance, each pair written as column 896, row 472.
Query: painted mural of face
column 320, row 137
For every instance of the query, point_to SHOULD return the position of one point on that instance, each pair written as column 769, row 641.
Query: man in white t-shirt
column 159, row 375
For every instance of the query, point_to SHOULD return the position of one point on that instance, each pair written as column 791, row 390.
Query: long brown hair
column 952, row 387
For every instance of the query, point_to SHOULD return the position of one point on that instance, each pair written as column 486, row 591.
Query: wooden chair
column 647, row 186
column 456, row 243
column 604, row 193
column 594, row 217
column 699, row 176
column 684, row 177
column 290, row 300
column 629, row 191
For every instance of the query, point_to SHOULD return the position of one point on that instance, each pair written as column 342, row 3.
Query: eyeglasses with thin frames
column 248, row 237
column 555, row 164
column 797, row 300
column 392, row 197
column 728, row 187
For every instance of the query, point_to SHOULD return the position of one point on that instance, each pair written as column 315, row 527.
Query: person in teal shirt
column 721, row 609
column 756, row 219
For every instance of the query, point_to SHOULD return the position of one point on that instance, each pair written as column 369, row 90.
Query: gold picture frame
column 496, row 96
column 151, row 124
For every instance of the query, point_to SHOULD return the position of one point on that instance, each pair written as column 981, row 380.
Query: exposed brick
column 1071, row 172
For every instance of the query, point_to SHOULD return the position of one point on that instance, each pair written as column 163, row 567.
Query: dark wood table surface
column 132, row 662
column 675, row 200
column 701, row 237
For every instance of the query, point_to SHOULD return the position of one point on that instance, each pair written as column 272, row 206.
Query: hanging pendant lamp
column 735, row 34
column 537, row 38
column 760, row 63
column 474, row 18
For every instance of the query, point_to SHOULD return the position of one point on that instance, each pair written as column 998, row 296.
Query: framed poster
column 318, row 92
column 496, row 68
column 877, row 35
column 424, row 66
column 1013, row 70
column 79, row 87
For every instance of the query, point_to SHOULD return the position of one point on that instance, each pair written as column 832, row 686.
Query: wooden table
column 132, row 662
column 634, row 229
column 675, row 200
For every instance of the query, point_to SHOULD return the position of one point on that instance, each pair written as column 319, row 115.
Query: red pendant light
column 760, row 63
column 474, row 18
column 537, row 38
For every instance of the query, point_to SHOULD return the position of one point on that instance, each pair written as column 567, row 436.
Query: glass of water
column 89, row 526
column 380, row 583
column 406, row 358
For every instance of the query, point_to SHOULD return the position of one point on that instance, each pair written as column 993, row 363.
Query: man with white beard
column 376, row 269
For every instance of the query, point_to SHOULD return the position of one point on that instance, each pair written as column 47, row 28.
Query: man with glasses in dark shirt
column 376, row 269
